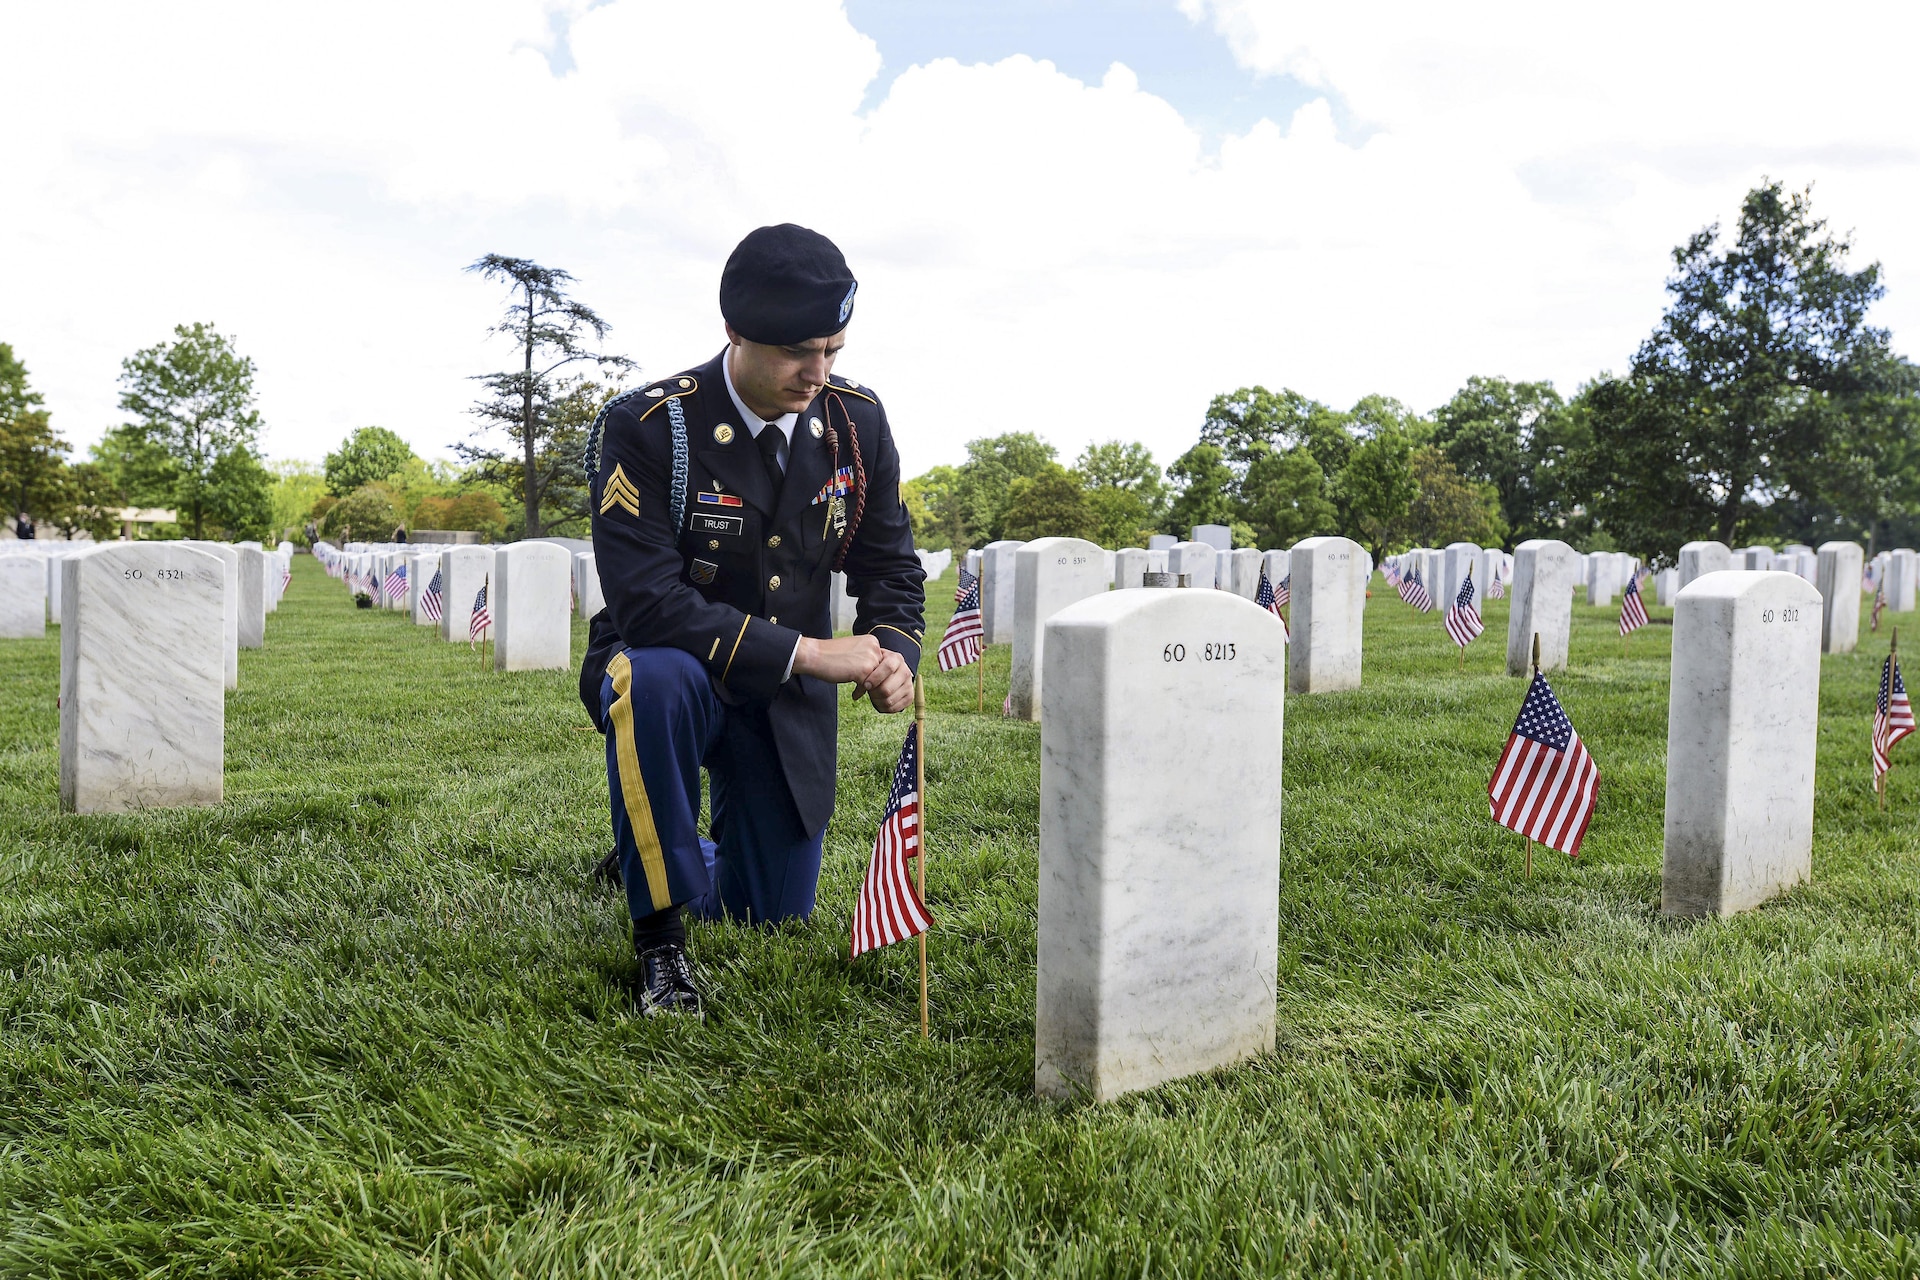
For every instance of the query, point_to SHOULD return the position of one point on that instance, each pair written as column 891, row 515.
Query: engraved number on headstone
column 1221, row 653
column 133, row 573
column 1786, row 615
column 178, row 575
column 1174, row 653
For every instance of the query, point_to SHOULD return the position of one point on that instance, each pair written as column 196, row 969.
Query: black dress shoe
column 607, row 870
column 666, row 981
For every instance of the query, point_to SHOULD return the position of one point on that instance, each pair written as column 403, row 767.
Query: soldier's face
column 781, row 379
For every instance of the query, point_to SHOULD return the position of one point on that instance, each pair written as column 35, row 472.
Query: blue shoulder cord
column 590, row 458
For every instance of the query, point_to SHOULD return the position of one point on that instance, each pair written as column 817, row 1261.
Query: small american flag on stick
column 1463, row 620
column 396, row 582
column 1633, row 609
column 1270, row 600
column 889, row 908
column 481, row 619
column 1892, row 719
column 1545, row 784
column 1414, row 592
column 961, row 644
column 1879, row 603
column 1496, row 590
column 430, row 599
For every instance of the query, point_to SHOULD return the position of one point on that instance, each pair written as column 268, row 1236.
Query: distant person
column 23, row 529
column 312, row 532
column 400, row 534
column 723, row 497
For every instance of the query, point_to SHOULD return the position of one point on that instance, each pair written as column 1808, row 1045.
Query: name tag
column 731, row 526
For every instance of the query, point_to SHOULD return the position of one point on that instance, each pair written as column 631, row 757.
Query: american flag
column 430, row 599
column 969, row 580
column 396, row 582
column 481, row 619
column 1283, row 592
column 1633, row 610
column 1270, row 600
column 889, row 908
column 1892, row 717
column 1545, row 784
column 1879, row 603
column 1414, row 592
column 286, row 576
column 1392, row 572
column 1463, row 620
column 960, row 646
column 1496, row 590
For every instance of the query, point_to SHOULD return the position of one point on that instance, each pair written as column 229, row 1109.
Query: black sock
column 659, row 929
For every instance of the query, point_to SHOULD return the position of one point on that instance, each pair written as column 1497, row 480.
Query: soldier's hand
column 890, row 686
column 846, row 660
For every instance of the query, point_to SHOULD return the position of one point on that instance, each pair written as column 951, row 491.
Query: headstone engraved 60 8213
column 1049, row 574
column 1743, row 718
column 1159, row 887
column 142, row 678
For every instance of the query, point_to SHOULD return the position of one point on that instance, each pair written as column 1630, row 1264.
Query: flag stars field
column 369, row 1014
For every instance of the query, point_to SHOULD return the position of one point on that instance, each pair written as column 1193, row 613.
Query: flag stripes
column 889, row 908
column 1545, row 784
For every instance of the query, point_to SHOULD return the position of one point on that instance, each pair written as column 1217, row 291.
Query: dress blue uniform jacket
column 744, row 572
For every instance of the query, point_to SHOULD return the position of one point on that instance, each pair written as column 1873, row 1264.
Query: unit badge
column 702, row 571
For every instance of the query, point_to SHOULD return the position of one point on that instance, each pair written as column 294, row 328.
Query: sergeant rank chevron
column 620, row 493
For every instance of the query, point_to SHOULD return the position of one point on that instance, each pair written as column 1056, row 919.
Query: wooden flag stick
column 1880, row 783
column 920, row 863
column 1529, row 859
column 980, row 697
column 1536, row 671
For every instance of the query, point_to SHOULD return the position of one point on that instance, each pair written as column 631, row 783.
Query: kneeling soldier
column 724, row 498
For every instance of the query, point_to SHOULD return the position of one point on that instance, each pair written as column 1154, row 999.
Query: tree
column 32, row 457
column 1048, row 505
column 984, row 484
column 1750, row 401
column 1253, row 421
column 1205, row 489
column 1514, row 436
column 193, row 397
column 365, row 515
column 1373, row 491
column 141, row 471
column 1447, row 507
column 87, row 502
column 296, row 487
column 368, row 456
column 551, row 331
column 1286, row 498
column 238, row 496
column 931, row 509
column 1125, row 490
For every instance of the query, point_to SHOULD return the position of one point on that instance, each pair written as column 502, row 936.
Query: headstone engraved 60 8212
column 1159, row 887
column 1049, row 574
column 142, row 678
column 1545, row 572
column 1743, row 719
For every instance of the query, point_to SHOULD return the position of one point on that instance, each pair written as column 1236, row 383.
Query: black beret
column 786, row 284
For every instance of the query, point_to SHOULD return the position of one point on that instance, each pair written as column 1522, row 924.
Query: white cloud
column 1486, row 189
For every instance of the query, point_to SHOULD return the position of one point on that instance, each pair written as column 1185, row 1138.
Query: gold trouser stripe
column 633, row 787
column 736, row 647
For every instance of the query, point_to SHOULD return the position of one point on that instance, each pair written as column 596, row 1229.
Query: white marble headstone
column 254, row 566
column 463, row 570
column 1161, row 542
column 841, row 606
column 1327, row 597
column 1697, row 558
column 1217, row 536
column 420, row 570
column 142, row 678
column 1743, row 719
column 1159, row 887
column 23, row 597
column 1455, row 559
column 1540, row 601
column 586, row 584
column 1049, row 574
column 1129, row 567
column 1602, row 581
column 1246, row 563
column 532, row 617
column 996, row 591
column 1198, row 560
column 1903, row 569
column 1838, row 581
column 230, row 604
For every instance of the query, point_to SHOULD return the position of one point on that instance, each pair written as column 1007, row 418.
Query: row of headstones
column 1895, row 574
column 150, row 634
column 1443, row 570
column 1159, row 888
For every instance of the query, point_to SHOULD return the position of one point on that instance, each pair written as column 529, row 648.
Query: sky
column 1075, row 218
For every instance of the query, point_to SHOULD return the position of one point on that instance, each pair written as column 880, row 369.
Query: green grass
column 366, row 1018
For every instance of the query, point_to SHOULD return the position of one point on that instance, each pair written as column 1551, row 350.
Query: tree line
column 1762, row 408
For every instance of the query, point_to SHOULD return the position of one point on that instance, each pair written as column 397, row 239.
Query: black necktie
column 769, row 442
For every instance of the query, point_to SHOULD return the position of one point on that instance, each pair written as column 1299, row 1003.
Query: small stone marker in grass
column 1838, row 580
column 142, row 678
column 1545, row 572
column 1159, row 887
column 23, row 597
column 1743, row 719
column 1323, row 609
column 532, row 617
column 1049, row 574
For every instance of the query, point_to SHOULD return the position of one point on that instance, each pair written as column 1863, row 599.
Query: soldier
column 724, row 498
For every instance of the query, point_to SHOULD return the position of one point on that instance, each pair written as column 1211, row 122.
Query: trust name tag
column 731, row 526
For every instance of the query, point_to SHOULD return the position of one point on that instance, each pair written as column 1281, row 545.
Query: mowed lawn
column 367, row 1017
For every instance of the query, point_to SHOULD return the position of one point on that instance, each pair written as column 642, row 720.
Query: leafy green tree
column 138, row 468
column 32, row 457
column 1749, row 399
column 1518, row 437
column 931, row 508
column 983, row 484
column 238, row 496
column 1448, row 507
column 368, row 456
column 193, row 397
column 1125, row 489
column 1286, row 499
column 533, row 405
column 296, row 487
column 365, row 515
column 1205, row 489
column 1251, row 422
column 1051, row 504
column 87, row 502
column 1374, row 490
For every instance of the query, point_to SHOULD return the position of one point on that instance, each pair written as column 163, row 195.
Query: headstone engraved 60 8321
column 142, row 678
column 1159, row 887
column 1545, row 572
column 1743, row 718
column 1049, row 574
